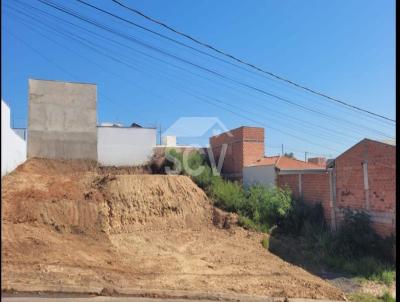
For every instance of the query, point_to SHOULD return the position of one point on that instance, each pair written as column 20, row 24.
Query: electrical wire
column 313, row 91
column 71, row 12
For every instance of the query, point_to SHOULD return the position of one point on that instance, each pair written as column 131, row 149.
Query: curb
column 74, row 291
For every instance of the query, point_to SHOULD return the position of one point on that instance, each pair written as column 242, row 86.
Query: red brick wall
column 349, row 177
column 315, row 188
column 381, row 160
column 290, row 181
column 245, row 145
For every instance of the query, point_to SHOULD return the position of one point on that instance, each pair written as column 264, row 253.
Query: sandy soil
column 70, row 223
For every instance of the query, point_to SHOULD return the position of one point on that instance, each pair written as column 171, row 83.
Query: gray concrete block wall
column 62, row 122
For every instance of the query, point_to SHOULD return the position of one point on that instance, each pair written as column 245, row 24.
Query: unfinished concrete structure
column 62, row 122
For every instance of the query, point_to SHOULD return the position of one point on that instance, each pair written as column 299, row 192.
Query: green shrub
column 173, row 161
column 266, row 205
column 387, row 297
column 303, row 218
column 364, row 297
column 205, row 179
column 356, row 239
column 227, row 195
column 265, row 242
column 184, row 163
column 387, row 276
column 247, row 223
column 354, row 248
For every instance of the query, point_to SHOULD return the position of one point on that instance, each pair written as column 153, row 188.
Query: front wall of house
column 371, row 189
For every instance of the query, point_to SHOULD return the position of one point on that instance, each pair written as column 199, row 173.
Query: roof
column 136, row 125
column 286, row 163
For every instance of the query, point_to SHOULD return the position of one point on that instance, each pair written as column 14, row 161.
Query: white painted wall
column 13, row 147
column 169, row 141
column 262, row 175
column 118, row 146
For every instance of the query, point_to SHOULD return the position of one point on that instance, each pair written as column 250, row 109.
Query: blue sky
column 345, row 49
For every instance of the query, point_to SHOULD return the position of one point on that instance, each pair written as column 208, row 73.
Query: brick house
column 238, row 147
column 243, row 151
column 266, row 170
column 365, row 179
column 361, row 178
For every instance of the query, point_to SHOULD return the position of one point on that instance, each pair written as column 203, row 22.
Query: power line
column 55, row 26
column 203, row 99
column 153, row 48
column 249, row 64
column 108, row 40
column 242, row 116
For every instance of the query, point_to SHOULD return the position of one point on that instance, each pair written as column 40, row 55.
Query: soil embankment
column 69, row 223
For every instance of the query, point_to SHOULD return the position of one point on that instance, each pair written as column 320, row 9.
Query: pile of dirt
column 73, row 197
column 67, row 223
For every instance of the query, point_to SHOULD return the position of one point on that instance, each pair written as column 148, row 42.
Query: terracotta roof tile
column 286, row 163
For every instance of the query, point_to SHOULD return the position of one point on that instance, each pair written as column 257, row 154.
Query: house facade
column 363, row 178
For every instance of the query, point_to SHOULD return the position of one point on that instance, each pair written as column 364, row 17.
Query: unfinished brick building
column 361, row 178
column 244, row 146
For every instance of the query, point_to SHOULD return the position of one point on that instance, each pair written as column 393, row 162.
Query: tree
column 291, row 155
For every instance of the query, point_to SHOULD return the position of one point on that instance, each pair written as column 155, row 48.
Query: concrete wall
column 118, row 146
column 263, row 175
column 62, row 121
column 13, row 147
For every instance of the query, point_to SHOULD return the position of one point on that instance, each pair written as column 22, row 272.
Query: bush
column 266, row 205
column 227, row 195
column 364, row 297
column 195, row 161
column 247, row 223
column 356, row 238
column 303, row 219
column 265, row 242
column 204, row 179
column 355, row 248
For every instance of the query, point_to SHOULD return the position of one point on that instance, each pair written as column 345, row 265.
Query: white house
column 125, row 146
column 265, row 171
column 13, row 147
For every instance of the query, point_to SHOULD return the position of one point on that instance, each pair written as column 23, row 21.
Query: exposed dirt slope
column 71, row 223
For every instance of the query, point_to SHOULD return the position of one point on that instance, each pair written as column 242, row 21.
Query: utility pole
column 282, row 150
column 305, row 156
column 160, row 136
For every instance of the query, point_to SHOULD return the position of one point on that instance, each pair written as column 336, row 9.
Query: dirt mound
column 79, row 200
column 55, row 167
column 154, row 201
column 67, row 223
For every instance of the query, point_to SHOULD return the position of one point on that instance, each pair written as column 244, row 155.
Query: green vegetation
column 300, row 234
column 354, row 248
column 259, row 207
column 265, row 242
column 290, row 154
column 363, row 297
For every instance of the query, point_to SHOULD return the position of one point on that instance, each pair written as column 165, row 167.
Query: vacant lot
column 71, row 224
